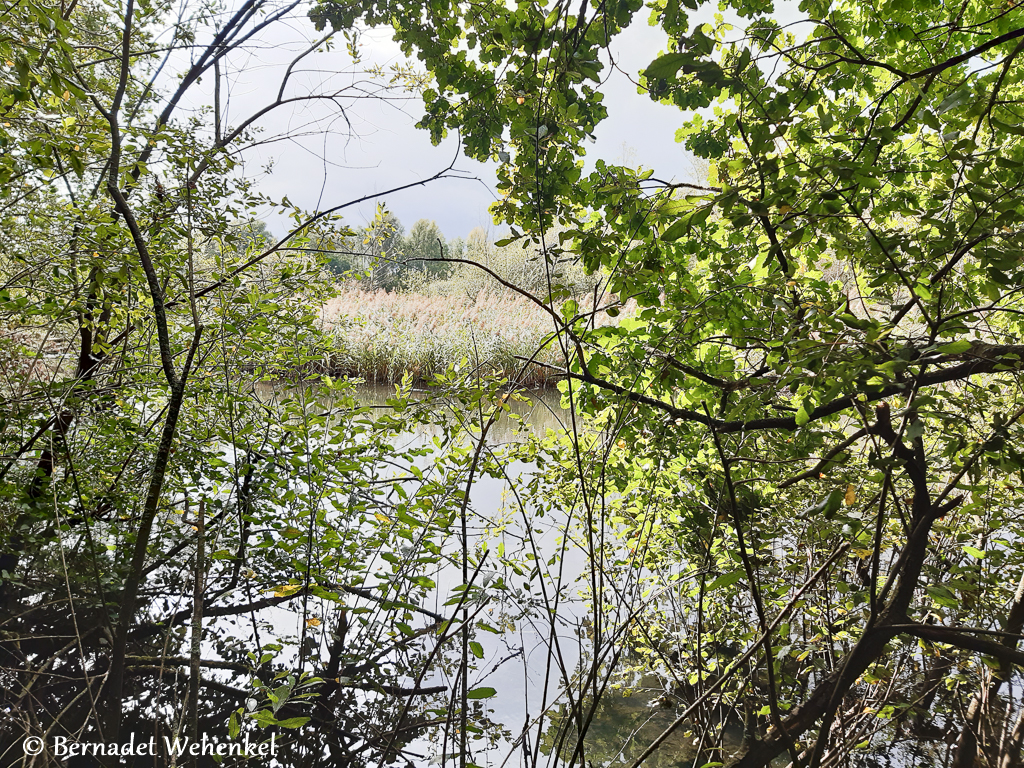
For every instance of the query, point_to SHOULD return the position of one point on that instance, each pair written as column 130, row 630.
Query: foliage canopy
column 815, row 418
column 795, row 470
column 190, row 541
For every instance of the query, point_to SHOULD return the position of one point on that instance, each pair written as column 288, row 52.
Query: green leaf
column 266, row 719
column 726, row 580
column 481, row 693
column 687, row 222
column 802, row 415
column 956, row 99
column 666, row 66
column 942, row 596
column 827, row 507
column 671, row 12
column 477, row 649
column 1001, row 125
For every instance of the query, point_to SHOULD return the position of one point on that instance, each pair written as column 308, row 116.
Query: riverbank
column 381, row 336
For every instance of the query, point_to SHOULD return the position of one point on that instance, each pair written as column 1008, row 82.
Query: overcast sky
column 372, row 145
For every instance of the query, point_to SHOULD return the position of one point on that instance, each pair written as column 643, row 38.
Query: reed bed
column 381, row 336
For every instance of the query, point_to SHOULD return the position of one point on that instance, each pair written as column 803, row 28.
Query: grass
column 380, row 336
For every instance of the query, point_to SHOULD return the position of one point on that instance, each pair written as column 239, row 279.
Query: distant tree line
column 383, row 255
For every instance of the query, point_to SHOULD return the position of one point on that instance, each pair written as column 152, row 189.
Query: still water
column 546, row 635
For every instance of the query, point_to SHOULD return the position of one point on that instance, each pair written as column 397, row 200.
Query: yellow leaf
column 313, row 622
column 382, row 517
column 851, row 495
column 286, row 589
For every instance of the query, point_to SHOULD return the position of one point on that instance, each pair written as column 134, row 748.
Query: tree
column 424, row 246
column 339, row 246
column 157, row 493
column 377, row 251
column 809, row 432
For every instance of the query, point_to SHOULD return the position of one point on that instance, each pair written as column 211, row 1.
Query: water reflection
column 625, row 721
column 535, row 649
column 541, row 620
column 539, row 410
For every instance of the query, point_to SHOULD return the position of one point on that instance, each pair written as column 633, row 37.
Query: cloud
column 323, row 153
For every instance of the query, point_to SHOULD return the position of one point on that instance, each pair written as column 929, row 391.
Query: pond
column 546, row 634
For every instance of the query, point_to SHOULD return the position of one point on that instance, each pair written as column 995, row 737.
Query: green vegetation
column 398, row 314
column 789, row 483
column 160, row 505
column 380, row 337
column 808, row 435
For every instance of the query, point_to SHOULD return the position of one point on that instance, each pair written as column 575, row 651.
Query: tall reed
column 380, row 336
